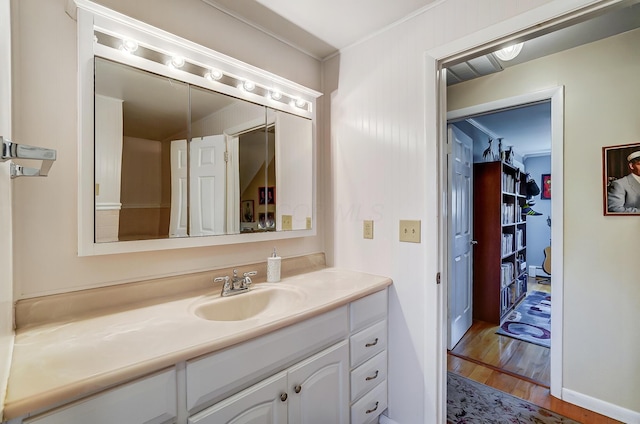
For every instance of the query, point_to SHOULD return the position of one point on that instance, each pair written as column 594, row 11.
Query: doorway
column 511, row 294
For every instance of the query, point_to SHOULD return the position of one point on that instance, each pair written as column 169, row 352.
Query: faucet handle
column 221, row 279
column 247, row 277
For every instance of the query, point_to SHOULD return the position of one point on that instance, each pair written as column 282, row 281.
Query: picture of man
column 623, row 194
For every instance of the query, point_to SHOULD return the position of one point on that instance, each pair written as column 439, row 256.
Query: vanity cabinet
column 330, row 368
column 368, row 357
column 313, row 391
column 151, row 400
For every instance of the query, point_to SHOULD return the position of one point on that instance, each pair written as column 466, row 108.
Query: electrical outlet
column 367, row 229
column 287, row 222
column 308, row 223
column 410, row 231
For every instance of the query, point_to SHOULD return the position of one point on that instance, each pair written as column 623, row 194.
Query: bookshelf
column 499, row 257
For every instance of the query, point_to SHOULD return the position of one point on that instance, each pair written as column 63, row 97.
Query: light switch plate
column 367, row 229
column 287, row 222
column 410, row 231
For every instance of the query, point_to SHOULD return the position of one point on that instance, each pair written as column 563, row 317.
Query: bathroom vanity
column 312, row 345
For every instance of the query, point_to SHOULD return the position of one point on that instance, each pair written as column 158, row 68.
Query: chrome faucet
column 236, row 284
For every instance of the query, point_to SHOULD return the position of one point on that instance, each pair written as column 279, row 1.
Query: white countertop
column 62, row 361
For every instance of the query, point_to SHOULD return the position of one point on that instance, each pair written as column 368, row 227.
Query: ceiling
column 322, row 28
column 319, row 28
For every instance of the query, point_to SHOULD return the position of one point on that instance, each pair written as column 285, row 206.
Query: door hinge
column 438, row 278
column 226, row 156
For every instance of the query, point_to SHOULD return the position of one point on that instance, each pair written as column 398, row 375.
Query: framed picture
column 247, row 211
column 545, row 192
column 268, row 194
column 621, row 170
column 267, row 221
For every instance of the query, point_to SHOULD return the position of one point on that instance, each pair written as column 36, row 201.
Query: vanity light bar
column 213, row 75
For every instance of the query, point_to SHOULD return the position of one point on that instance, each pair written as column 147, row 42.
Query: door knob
column 474, row 242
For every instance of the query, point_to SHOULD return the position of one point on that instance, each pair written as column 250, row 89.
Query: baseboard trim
column 597, row 405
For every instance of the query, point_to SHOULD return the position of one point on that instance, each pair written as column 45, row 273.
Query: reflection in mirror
column 219, row 123
column 176, row 160
column 257, row 179
column 136, row 115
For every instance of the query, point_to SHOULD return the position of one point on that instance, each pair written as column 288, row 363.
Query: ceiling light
column 213, row 75
column 176, row 62
column 129, row 46
column 276, row 95
column 248, row 85
column 509, row 52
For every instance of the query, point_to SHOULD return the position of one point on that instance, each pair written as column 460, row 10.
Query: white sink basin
column 261, row 300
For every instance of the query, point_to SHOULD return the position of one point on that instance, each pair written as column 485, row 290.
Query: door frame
column 543, row 19
column 556, row 96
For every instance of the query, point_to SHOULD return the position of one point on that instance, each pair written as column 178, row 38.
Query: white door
column 265, row 402
column 461, row 257
column 319, row 388
column 178, row 219
column 207, row 185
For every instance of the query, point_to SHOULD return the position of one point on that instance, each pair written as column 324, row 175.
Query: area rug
column 531, row 320
column 471, row 402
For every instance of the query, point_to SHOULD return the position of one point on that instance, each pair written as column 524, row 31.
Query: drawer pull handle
column 368, row 411
column 373, row 377
column 283, row 397
column 297, row 389
column 375, row 342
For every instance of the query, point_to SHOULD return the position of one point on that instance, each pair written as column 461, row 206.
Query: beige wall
column 45, row 114
column 601, row 290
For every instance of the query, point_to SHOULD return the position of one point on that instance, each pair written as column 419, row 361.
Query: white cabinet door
column 265, row 402
column 319, row 388
column 150, row 400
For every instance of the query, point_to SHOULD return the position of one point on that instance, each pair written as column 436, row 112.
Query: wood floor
column 513, row 366
column 523, row 389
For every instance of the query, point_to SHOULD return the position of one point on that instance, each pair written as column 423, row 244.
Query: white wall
column 602, row 294
column 45, row 114
column 6, row 257
column 383, row 151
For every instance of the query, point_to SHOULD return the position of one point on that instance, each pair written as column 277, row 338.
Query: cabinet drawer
column 149, row 400
column 367, row 409
column 368, row 342
column 220, row 374
column 366, row 311
column 368, row 375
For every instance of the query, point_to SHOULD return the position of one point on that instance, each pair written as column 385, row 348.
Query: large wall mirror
column 177, row 158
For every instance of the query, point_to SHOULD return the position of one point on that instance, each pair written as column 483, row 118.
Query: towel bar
column 11, row 150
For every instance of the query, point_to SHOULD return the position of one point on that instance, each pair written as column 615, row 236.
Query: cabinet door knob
column 474, row 242
column 375, row 342
column 297, row 389
column 283, row 397
column 373, row 377
column 368, row 411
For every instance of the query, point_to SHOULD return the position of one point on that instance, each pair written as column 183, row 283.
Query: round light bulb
column 129, row 46
column 176, row 62
column 248, row 85
column 509, row 52
column 276, row 95
column 300, row 103
column 213, row 75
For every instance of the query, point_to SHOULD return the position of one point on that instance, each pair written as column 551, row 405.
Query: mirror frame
column 91, row 17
